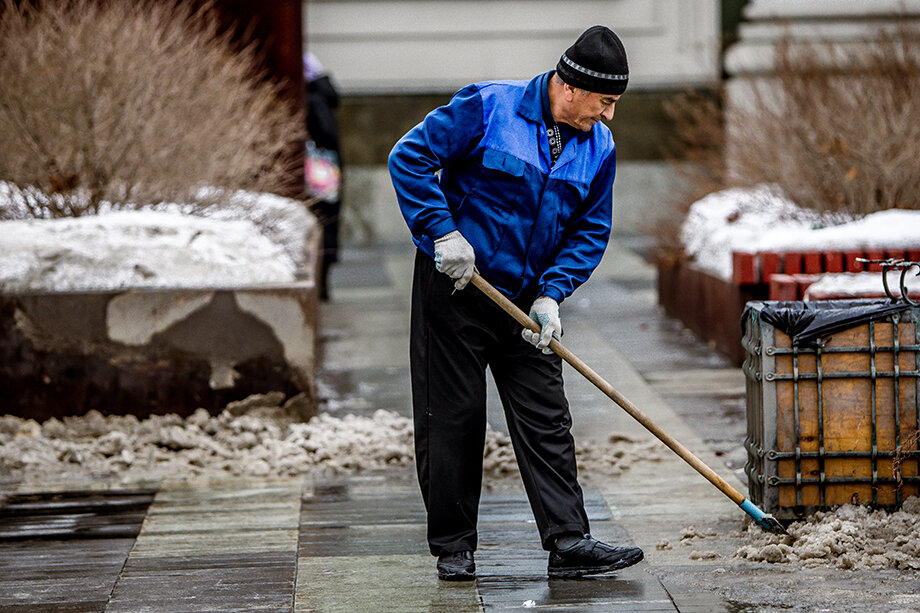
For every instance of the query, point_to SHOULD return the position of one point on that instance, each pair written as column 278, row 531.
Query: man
column 514, row 178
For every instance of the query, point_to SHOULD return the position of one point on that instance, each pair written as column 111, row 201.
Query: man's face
column 584, row 108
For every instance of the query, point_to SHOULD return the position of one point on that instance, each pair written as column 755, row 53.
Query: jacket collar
column 531, row 106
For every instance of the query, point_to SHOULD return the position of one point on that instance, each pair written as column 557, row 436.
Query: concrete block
column 154, row 351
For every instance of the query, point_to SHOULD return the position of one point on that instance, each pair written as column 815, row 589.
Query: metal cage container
column 836, row 424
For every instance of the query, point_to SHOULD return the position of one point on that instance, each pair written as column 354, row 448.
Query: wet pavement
column 354, row 543
column 613, row 324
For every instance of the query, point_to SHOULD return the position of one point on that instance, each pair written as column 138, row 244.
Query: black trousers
column 453, row 338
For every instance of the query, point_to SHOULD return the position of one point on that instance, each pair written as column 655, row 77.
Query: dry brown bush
column 697, row 155
column 133, row 101
column 837, row 129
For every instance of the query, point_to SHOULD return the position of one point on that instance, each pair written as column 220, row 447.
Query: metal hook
column 898, row 264
column 904, row 291
column 886, row 265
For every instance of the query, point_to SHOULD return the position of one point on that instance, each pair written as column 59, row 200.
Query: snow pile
column 265, row 440
column 255, row 437
column 761, row 219
column 617, row 454
column 851, row 537
column 691, row 536
column 245, row 239
column 610, row 457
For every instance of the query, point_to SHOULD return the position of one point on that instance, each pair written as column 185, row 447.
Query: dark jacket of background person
column 322, row 126
column 323, row 130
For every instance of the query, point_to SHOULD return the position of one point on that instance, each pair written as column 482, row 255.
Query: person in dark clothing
column 514, row 178
column 323, row 132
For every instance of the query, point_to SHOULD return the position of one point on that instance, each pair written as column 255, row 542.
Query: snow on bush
column 762, row 219
column 736, row 220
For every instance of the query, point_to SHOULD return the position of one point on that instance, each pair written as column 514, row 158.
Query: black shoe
column 589, row 556
column 457, row 566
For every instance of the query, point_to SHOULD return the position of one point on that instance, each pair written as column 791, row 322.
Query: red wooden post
column 812, row 262
column 769, row 266
column 851, row 264
column 833, row 261
column 783, row 287
column 874, row 254
column 792, row 262
column 744, row 268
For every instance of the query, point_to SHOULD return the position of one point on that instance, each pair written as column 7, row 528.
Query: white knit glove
column 545, row 311
column 454, row 256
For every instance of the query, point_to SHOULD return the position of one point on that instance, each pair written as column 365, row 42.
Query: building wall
column 395, row 60
column 386, row 46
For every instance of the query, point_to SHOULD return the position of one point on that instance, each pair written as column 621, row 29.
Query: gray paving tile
column 215, row 545
column 356, row 540
column 228, row 582
column 379, row 584
column 627, row 590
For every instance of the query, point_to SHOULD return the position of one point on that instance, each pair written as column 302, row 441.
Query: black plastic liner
column 808, row 322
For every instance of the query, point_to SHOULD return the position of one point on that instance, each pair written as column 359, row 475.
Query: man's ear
column 569, row 91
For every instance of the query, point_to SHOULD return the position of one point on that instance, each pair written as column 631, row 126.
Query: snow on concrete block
column 167, row 308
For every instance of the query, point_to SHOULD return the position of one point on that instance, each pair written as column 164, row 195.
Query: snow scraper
column 764, row 520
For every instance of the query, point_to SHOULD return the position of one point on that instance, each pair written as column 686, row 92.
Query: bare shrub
column 133, row 101
column 696, row 154
column 839, row 127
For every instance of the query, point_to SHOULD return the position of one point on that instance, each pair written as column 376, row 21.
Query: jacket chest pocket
column 504, row 180
column 503, row 162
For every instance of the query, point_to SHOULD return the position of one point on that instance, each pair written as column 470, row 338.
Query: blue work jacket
column 481, row 165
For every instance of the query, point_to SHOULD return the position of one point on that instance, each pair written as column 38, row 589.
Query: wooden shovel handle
column 701, row 467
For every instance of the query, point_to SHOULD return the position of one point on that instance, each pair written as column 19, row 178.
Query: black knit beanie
column 596, row 62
